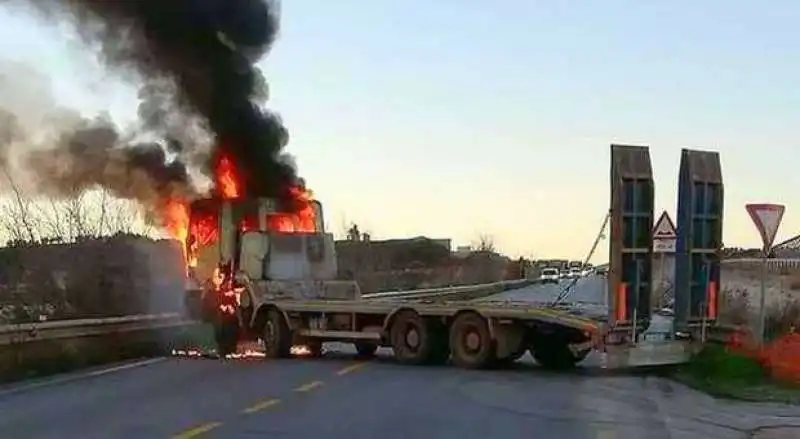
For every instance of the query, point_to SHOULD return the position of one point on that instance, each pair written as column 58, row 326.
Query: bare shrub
column 41, row 220
column 484, row 244
column 31, row 285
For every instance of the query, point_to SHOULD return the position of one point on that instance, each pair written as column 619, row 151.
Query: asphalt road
column 338, row 396
column 331, row 397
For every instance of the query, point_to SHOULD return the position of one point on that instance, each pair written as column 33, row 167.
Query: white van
column 549, row 276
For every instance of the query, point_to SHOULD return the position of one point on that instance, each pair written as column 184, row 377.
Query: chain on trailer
column 568, row 289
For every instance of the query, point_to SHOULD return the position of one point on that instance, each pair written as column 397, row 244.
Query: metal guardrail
column 63, row 329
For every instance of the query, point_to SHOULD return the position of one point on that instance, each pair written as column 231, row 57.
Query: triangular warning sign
column 767, row 218
column 665, row 228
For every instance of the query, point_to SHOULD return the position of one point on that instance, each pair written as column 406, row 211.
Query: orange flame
column 176, row 218
column 176, row 222
column 200, row 228
column 227, row 180
column 303, row 217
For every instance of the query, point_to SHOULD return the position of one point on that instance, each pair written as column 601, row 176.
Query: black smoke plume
column 92, row 153
column 194, row 58
column 65, row 153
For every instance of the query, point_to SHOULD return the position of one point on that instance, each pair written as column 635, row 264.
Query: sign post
column 767, row 218
column 665, row 238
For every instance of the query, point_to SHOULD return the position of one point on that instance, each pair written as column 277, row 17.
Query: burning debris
column 200, row 90
column 241, row 354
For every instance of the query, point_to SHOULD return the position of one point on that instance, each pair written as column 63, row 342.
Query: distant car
column 601, row 271
column 668, row 309
column 549, row 276
column 574, row 273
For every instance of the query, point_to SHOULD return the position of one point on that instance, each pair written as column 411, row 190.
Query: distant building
column 462, row 251
column 390, row 254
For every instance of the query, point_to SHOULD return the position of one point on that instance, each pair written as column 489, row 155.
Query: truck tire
column 516, row 355
column 471, row 342
column 582, row 355
column 440, row 350
column 366, row 349
column 276, row 336
column 552, row 352
column 226, row 334
column 411, row 338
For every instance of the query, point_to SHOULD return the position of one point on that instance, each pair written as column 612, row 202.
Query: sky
column 455, row 119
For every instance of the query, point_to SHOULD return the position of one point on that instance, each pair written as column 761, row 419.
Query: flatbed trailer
column 284, row 288
column 476, row 335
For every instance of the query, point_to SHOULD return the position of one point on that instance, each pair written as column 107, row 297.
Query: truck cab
column 243, row 252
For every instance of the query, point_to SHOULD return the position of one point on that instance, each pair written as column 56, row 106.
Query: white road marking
column 77, row 376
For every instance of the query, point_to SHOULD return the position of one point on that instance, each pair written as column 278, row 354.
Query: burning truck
column 241, row 250
column 266, row 271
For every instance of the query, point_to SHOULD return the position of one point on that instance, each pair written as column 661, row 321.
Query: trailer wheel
column 410, row 337
column 226, row 334
column 276, row 336
column 471, row 342
column 552, row 352
column 366, row 349
column 440, row 345
column 516, row 355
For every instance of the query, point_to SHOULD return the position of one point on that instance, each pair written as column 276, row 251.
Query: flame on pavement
column 244, row 353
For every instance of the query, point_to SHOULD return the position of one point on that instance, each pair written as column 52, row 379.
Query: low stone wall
column 781, row 283
column 114, row 276
column 741, row 294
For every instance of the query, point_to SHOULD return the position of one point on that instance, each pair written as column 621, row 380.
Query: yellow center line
column 308, row 386
column 197, row 431
column 350, row 368
column 261, row 406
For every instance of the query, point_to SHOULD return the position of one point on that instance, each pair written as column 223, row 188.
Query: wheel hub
column 412, row 338
column 473, row 341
